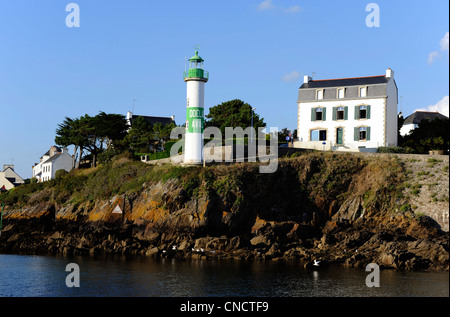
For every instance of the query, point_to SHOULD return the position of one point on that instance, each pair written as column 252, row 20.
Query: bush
column 391, row 149
column 159, row 155
column 60, row 173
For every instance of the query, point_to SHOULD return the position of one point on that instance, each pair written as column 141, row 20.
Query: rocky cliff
column 340, row 208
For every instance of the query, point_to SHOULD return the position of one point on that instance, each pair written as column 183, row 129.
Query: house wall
column 4, row 182
column 392, row 114
column 376, row 124
column 63, row 162
column 46, row 172
column 10, row 173
column 407, row 128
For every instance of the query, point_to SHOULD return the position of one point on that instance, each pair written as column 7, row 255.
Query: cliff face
column 337, row 207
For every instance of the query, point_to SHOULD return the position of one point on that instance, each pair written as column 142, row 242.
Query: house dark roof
column 51, row 159
column 418, row 116
column 48, row 152
column 153, row 120
column 356, row 81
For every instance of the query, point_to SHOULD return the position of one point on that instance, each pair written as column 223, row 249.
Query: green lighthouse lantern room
column 196, row 68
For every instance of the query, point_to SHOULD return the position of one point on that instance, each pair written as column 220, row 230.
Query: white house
column 53, row 160
column 348, row 114
column 9, row 178
column 412, row 121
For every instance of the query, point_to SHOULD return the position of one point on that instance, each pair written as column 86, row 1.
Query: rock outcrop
column 337, row 208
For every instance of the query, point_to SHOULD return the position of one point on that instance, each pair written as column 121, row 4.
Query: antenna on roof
column 132, row 107
column 313, row 74
column 401, row 103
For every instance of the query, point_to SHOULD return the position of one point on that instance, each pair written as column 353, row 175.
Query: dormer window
column 319, row 94
column 341, row 93
column 362, row 92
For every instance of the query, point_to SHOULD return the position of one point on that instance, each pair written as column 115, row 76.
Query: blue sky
column 255, row 50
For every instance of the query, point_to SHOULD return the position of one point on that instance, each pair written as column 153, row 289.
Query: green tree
column 142, row 135
column 70, row 132
column 283, row 134
column 93, row 134
column 233, row 113
column 429, row 135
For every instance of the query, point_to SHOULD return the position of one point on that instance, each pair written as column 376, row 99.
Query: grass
column 415, row 189
column 432, row 162
column 120, row 176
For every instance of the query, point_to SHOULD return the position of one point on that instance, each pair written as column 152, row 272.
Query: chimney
column 389, row 73
column 306, row 79
column 5, row 166
column 53, row 150
column 173, row 118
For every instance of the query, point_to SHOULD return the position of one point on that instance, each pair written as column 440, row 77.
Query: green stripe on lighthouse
column 195, row 120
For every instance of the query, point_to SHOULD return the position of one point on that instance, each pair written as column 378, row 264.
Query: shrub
column 391, row 149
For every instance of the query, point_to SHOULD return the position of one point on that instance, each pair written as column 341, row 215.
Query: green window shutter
column 368, row 134
column 368, row 112
column 334, row 113
column 356, row 134
column 313, row 114
column 356, row 112
column 324, row 114
column 345, row 113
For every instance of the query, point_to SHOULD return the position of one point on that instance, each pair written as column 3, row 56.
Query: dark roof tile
column 153, row 120
column 418, row 116
column 356, row 81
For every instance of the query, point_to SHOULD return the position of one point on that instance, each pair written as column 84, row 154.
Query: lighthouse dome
column 196, row 58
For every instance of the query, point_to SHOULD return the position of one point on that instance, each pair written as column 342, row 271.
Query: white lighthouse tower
column 195, row 77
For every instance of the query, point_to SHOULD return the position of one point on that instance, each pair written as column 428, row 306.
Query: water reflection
column 140, row 276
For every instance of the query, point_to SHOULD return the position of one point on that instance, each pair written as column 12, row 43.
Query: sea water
column 49, row 276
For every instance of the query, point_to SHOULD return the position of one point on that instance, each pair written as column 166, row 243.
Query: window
column 341, row 93
column 319, row 94
column 362, row 134
column 362, row 112
column 318, row 135
column 318, row 114
column 363, row 91
column 340, row 113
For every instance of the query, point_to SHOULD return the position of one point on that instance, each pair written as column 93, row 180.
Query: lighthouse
column 195, row 78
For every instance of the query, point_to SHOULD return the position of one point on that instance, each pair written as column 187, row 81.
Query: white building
column 412, row 121
column 53, row 160
column 348, row 114
column 9, row 178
